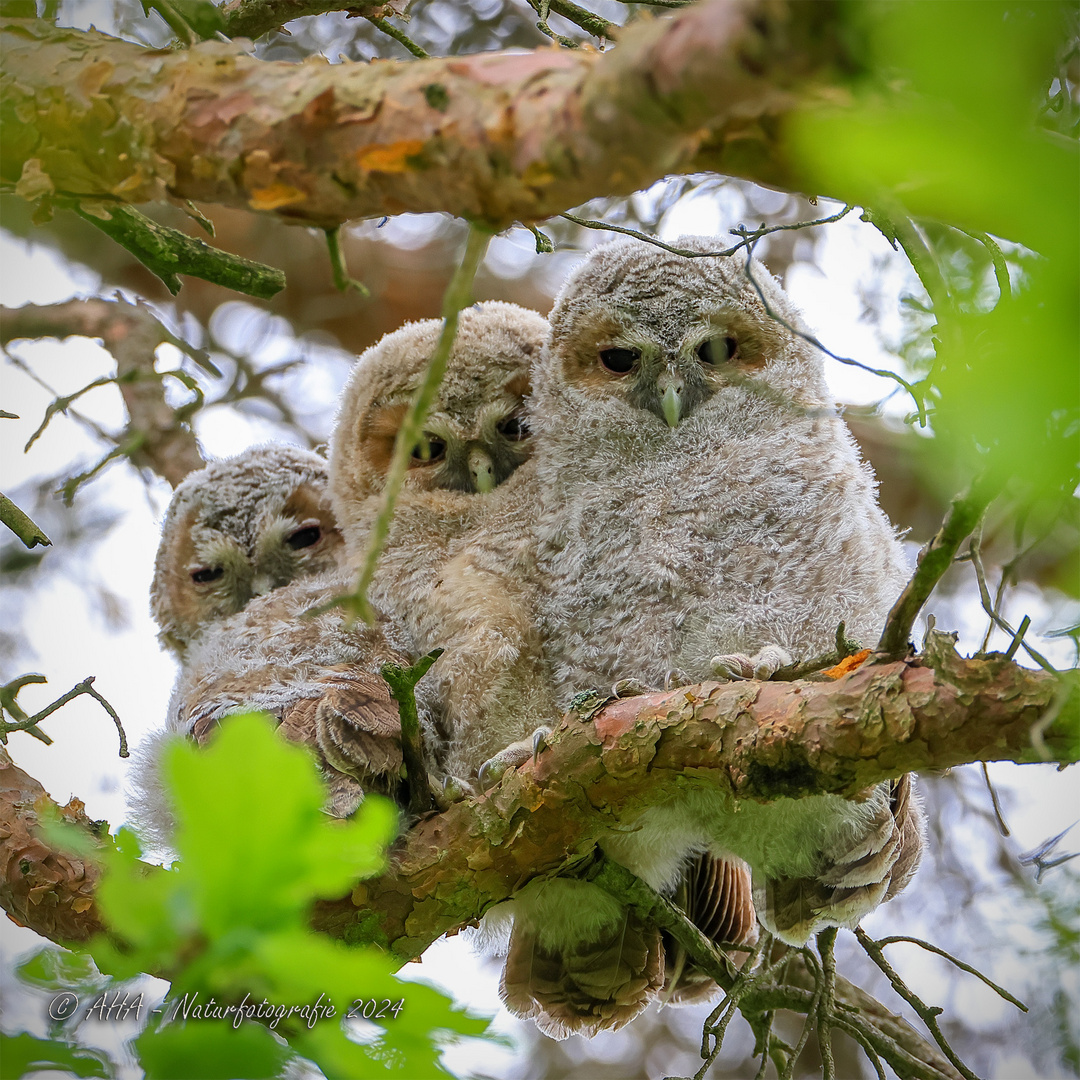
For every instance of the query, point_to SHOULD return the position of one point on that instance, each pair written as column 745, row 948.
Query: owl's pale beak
column 261, row 584
column 481, row 469
column 671, row 384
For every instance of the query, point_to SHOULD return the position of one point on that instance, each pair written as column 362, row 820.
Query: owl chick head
column 475, row 434
column 650, row 337
column 237, row 529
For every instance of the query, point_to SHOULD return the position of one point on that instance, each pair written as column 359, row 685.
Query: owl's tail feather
column 582, row 988
column 717, row 896
column 877, row 866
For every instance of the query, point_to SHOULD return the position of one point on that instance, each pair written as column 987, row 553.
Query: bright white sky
column 69, row 642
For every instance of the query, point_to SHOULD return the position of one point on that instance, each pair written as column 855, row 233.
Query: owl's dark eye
column 429, row 449
column 514, row 427
column 206, row 574
column 619, row 361
column 717, row 350
column 305, row 537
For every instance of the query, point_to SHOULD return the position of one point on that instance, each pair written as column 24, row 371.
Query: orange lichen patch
column 270, row 198
column 389, row 157
column 848, row 664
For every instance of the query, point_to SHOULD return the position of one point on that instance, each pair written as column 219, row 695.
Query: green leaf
column 22, row 1054
column 278, row 849
column 211, row 1050
column 53, row 968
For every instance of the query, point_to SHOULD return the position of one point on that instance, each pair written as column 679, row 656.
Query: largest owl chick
column 237, row 529
column 699, row 507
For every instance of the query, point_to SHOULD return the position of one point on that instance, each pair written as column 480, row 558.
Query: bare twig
column 935, row 558
column 1002, row 826
column 927, row 1013
column 826, row 940
column 157, row 434
column 29, row 724
column 342, row 280
column 883, row 373
column 399, row 36
column 1000, row 991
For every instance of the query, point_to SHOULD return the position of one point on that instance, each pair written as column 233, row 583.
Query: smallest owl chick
column 238, row 529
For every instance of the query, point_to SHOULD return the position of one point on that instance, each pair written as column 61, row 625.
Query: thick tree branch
column 752, row 740
column 131, row 334
column 50, row 891
column 493, row 137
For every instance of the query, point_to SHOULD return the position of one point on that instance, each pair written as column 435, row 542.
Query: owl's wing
column 717, row 896
column 345, row 714
column 354, row 726
column 872, row 867
column 582, row 987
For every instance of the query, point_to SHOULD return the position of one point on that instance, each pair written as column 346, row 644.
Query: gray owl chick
column 695, row 507
column 237, row 529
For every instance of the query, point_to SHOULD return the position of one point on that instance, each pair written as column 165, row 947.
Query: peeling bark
column 755, row 740
column 48, row 890
column 493, row 137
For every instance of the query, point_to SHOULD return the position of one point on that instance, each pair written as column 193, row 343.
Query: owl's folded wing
column 354, row 726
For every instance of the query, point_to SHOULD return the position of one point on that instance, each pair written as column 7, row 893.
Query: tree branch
column 511, row 136
column 131, row 334
column 754, row 740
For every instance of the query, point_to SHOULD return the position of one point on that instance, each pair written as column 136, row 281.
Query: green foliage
column 228, row 924
column 946, row 128
column 22, row 1054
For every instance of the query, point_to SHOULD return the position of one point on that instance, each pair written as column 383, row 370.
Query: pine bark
column 493, row 137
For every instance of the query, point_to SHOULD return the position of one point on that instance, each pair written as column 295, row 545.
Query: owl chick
column 476, row 436
column 319, row 677
column 237, row 529
column 696, row 508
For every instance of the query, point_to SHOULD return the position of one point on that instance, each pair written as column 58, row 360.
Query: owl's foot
column 625, row 688
column 675, row 678
column 862, row 869
column 451, row 790
column 517, row 753
column 759, row 666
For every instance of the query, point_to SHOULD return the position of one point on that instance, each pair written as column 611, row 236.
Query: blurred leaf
column 211, row 1050
column 946, row 130
column 57, row 969
column 22, row 1054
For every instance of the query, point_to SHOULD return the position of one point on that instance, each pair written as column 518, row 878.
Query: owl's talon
column 452, row 790
column 676, row 677
column 540, row 741
column 517, row 753
column 734, row 667
column 762, row 665
column 625, row 688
